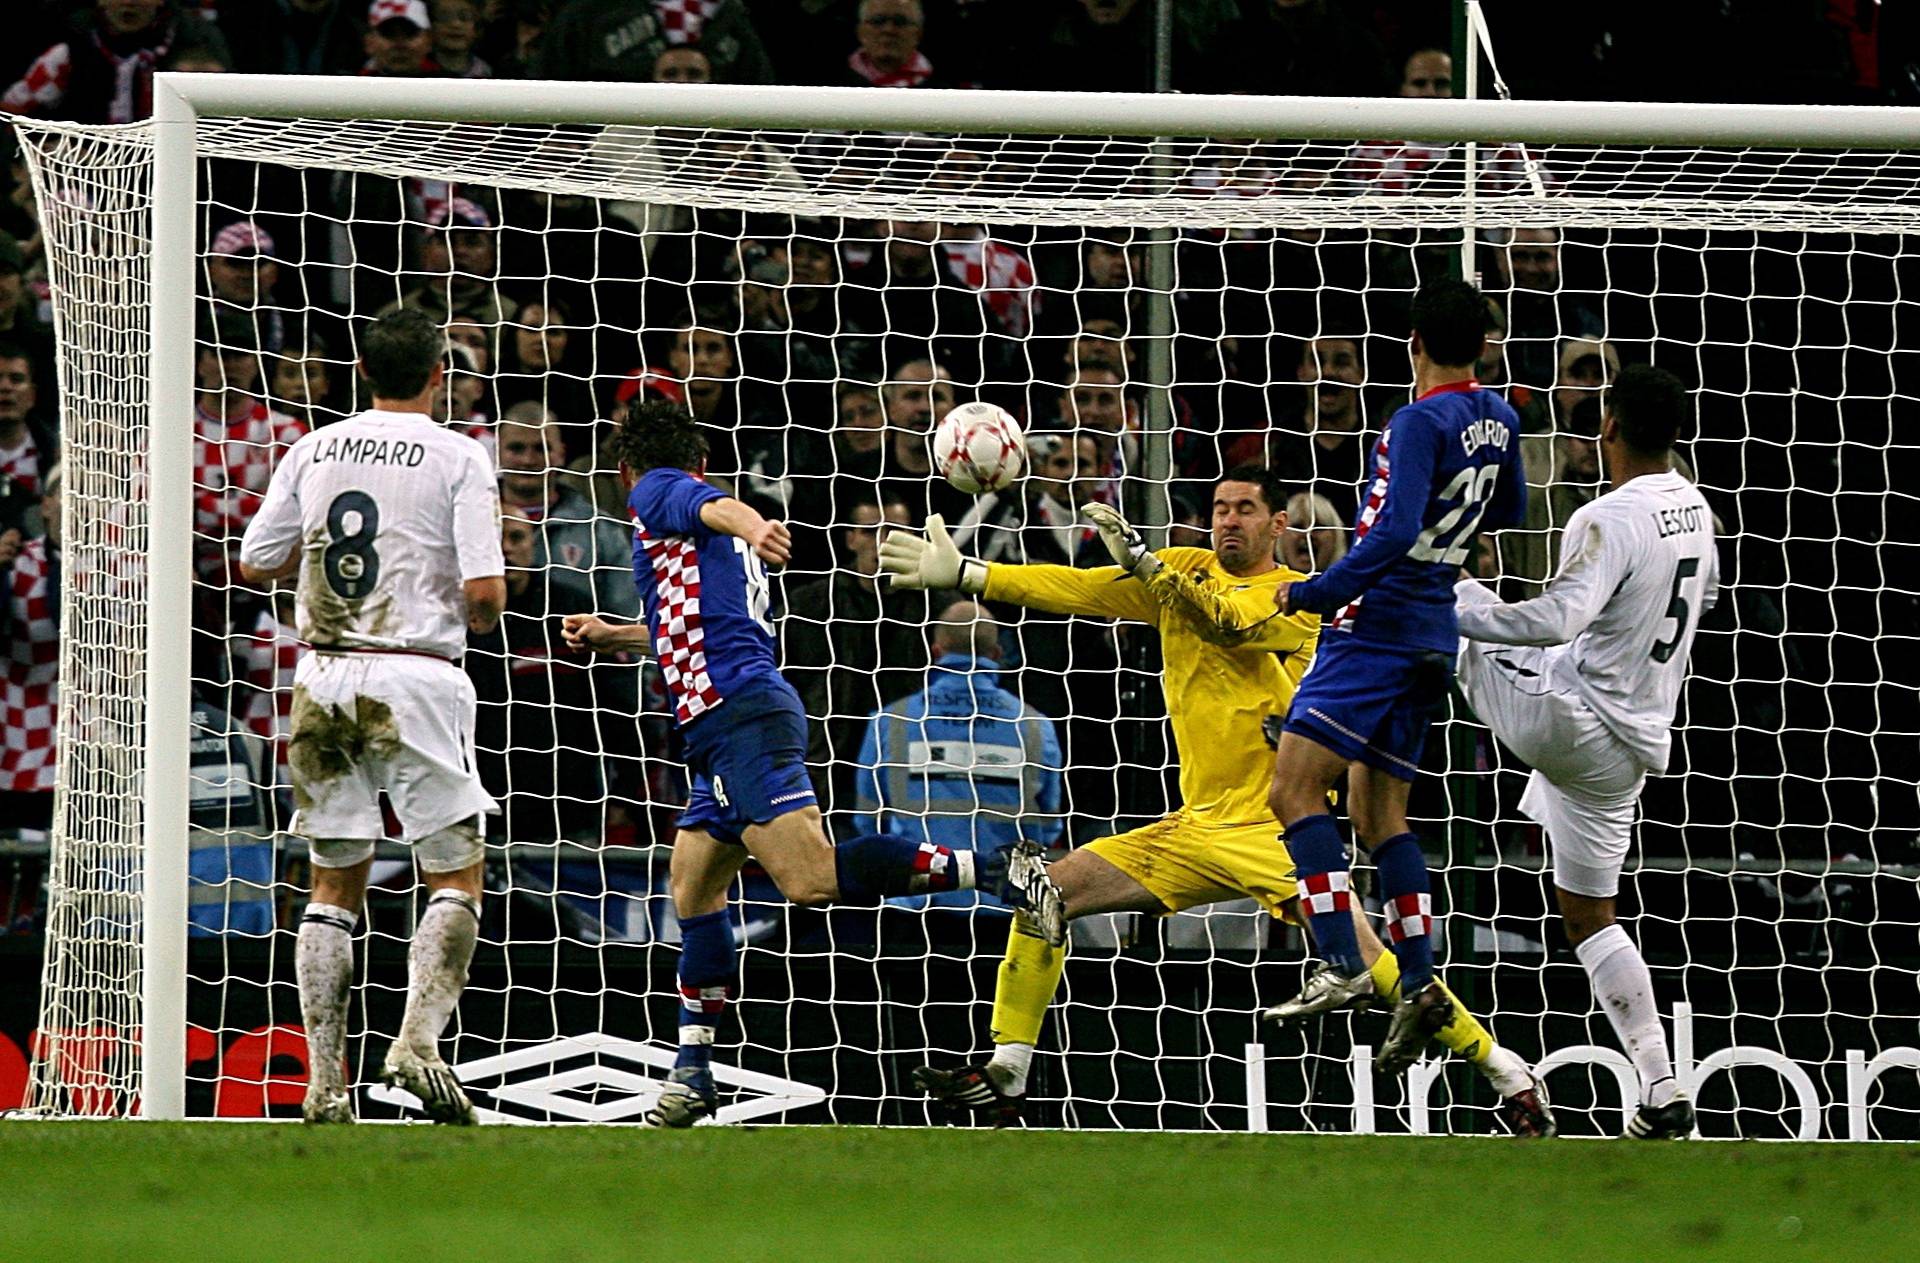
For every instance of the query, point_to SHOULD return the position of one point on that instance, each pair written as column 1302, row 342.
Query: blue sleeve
column 669, row 500
column 1412, row 450
column 866, row 782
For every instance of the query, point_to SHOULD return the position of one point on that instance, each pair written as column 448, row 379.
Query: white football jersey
column 1638, row 569
column 392, row 512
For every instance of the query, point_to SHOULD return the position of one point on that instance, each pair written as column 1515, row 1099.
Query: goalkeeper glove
column 1122, row 540
column 932, row 561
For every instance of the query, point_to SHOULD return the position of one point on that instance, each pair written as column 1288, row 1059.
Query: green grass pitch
column 208, row 1191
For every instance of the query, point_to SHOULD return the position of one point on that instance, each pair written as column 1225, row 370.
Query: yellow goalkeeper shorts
column 1185, row 862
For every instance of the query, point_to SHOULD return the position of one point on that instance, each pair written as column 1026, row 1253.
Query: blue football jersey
column 706, row 595
column 1446, row 467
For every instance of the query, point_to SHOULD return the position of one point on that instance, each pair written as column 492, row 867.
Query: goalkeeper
column 1231, row 662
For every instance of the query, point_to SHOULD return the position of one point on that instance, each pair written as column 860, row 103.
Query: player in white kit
column 1581, row 682
column 392, row 523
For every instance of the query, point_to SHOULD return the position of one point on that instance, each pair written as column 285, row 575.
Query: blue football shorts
column 747, row 758
column 1371, row 704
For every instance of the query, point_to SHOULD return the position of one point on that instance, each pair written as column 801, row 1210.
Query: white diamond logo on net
column 612, row 1084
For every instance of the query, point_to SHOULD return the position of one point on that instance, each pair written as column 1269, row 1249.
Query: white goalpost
column 1160, row 287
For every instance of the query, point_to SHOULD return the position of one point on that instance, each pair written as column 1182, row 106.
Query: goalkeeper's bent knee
column 1029, row 975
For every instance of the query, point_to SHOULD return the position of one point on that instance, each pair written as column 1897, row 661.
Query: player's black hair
column 1273, row 490
column 1451, row 318
column 659, row 434
column 1650, row 404
column 398, row 352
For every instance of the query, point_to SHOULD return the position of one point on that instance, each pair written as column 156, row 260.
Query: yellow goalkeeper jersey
column 1231, row 660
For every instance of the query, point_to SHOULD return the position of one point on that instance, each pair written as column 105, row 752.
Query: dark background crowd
column 819, row 353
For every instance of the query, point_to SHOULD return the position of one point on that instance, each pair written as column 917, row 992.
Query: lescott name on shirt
column 1486, row 432
column 369, row 451
column 1680, row 520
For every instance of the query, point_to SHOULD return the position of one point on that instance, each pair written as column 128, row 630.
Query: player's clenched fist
column 591, row 633
column 772, row 543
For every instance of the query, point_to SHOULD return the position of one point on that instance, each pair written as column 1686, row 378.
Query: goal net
column 1155, row 310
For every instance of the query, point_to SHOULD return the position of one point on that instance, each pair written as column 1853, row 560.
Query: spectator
column 1325, row 450
column 1107, row 46
column 399, row 40
column 1036, row 521
column 580, row 550
column 29, row 446
column 456, row 30
column 1316, row 535
column 1307, row 48
column 200, row 59
column 859, row 441
column 1095, row 405
column 302, row 385
column 541, row 360
column 103, row 71
column 965, row 763
column 1540, row 311
column 851, row 646
column 322, row 37
column 619, row 40
column 683, row 63
column 920, row 393
column 889, row 56
column 30, row 669
column 238, row 439
column 544, row 717
column 905, row 301
column 241, row 274
column 1563, row 473
column 457, row 259
column 266, row 657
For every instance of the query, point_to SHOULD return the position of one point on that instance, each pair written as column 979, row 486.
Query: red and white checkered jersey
column 681, row 21
column 23, row 464
column 233, row 461
column 392, row 513
column 30, row 687
column 268, row 656
column 1398, row 166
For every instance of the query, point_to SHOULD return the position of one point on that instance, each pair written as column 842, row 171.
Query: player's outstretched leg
column 437, row 963
column 709, row 963
column 323, row 962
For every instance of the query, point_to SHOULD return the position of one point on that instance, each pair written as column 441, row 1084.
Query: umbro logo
column 598, row 1078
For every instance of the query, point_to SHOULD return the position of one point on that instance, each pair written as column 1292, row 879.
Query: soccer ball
column 979, row 448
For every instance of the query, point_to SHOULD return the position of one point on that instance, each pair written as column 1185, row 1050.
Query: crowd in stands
column 819, row 353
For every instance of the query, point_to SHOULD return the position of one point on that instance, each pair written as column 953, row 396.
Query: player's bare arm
column 770, row 541
column 273, row 574
column 593, row 634
column 485, row 598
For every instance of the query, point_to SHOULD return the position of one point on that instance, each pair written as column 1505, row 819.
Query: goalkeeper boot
column 327, row 1105
column 1327, row 989
column 1528, row 1113
column 969, row 1090
column 687, row 1098
column 1026, row 885
column 1416, row 1020
column 430, row 1079
column 1672, row 1121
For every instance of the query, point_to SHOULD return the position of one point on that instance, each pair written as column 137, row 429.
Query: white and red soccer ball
column 979, row 448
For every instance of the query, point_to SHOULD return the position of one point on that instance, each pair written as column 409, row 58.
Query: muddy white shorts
column 364, row 723
column 1585, row 784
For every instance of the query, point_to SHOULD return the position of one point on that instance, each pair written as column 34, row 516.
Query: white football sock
column 323, row 962
column 437, row 968
column 1506, row 1070
column 1625, row 990
column 1008, row 1069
